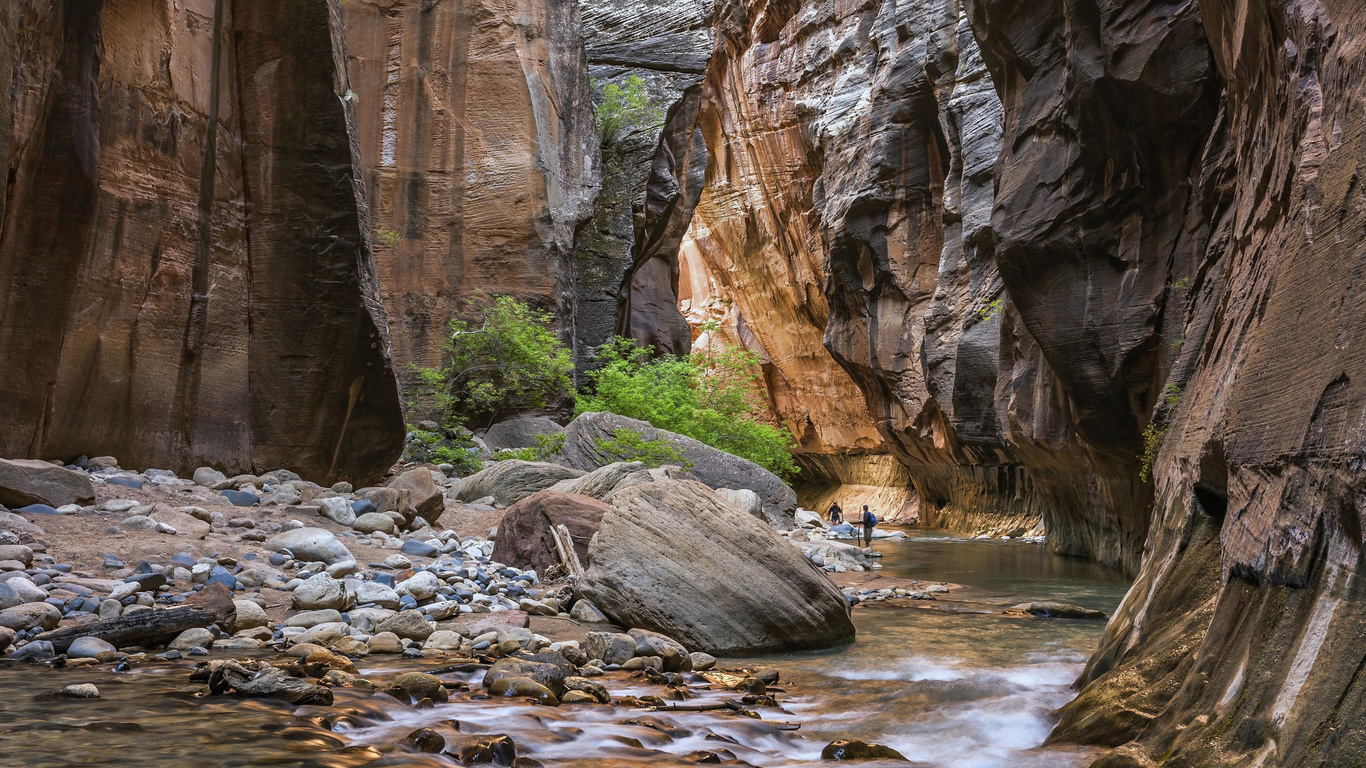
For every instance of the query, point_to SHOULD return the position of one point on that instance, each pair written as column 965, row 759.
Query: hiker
column 869, row 520
column 835, row 514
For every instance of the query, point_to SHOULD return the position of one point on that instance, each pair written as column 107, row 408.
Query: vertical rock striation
column 1239, row 643
column 480, row 157
column 146, row 310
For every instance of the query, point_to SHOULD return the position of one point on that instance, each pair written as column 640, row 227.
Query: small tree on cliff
column 623, row 107
column 509, row 359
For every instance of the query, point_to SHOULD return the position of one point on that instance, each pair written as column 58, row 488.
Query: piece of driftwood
column 137, row 628
column 564, row 546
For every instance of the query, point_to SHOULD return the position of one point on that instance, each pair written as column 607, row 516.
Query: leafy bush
column 547, row 447
column 427, row 446
column 619, row 109
column 630, row 445
column 513, row 359
column 711, row 396
column 1153, row 436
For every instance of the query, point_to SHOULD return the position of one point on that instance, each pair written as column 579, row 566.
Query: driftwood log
column 137, row 628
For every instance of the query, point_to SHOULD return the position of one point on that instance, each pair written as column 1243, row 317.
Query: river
column 946, row 688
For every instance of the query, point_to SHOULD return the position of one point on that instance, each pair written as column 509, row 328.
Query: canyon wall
column 1239, row 644
column 147, row 311
column 480, row 157
column 846, row 234
column 653, row 161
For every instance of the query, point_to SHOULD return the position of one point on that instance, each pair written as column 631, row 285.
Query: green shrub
column 711, row 396
column 1153, row 436
column 427, row 446
column 512, row 360
column 619, row 109
column 630, row 445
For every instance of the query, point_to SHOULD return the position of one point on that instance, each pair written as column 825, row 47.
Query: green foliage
column 1153, row 435
column 386, row 237
column 1171, row 395
column 711, row 396
column 1178, row 344
column 428, row 446
column 990, row 310
column 630, row 445
column 1183, row 285
column 513, row 359
column 621, row 109
column 546, row 448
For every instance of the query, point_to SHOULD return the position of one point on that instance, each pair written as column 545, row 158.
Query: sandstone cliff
column 480, row 157
column 1240, row 642
column 146, row 309
column 652, row 173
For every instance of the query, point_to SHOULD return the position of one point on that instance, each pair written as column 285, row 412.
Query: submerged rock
column 853, row 749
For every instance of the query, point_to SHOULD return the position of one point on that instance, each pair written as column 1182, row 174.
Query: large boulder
column 712, row 466
column 601, row 481
column 310, row 545
column 524, row 538
column 508, row 482
column 673, row 557
column 25, row 481
column 423, row 493
column 519, row 432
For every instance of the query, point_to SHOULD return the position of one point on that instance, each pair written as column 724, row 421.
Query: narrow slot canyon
column 584, row 383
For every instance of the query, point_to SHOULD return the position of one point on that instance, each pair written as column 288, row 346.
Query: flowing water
column 956, row 689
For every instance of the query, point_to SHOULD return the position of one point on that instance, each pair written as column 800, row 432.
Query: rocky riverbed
column 275, row 589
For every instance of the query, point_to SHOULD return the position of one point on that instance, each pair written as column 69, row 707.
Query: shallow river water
column 949, row 689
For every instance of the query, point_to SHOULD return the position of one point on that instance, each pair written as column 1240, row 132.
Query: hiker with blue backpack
column 869, row 520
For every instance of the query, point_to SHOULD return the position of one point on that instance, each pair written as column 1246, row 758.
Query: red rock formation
column 146, row 310
column 480, row 155
column 1240, row 642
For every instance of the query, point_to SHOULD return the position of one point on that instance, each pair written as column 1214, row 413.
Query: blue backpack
column 869, row 518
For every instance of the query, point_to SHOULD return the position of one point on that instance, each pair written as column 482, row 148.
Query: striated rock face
column 160, row 318
column 652, row 173
column 480, row 156
column 1239, row 644
column 846, row 235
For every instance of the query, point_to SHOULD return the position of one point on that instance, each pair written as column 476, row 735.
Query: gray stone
column 310, row 545
column 601, row 481
column 250, row 615
column 310, row 619
column 30, row 615
column 8, row 596
column 374, row 521
column 26, row 481
column 336, row 509
column 319, row 592
column 702, row 662
column 209, row 477
column 27, row 591
column 37, row 650
column 377, row 593
column 609, row 647
column 195, row 637
column 17, row 552
column 421, row 586
column 88, row 648
column 81, row 691
column 408, row 624
column 508, row 482
column 586, row 612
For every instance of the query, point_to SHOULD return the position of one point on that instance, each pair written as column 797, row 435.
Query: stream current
column 949, row 688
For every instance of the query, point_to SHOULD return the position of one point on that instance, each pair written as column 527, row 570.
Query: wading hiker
column 835, row 514
column 869, row 520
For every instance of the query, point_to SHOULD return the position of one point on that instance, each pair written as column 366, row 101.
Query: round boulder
column 524, row 536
